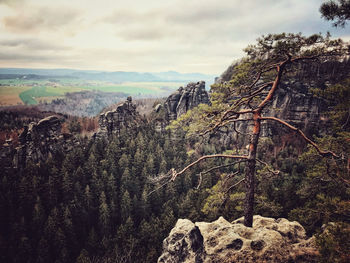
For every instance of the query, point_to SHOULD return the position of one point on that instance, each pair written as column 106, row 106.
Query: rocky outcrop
column 7, row 152
column 185, row 99
column 111, row 122
column 293, row 102
column 295, row 105
column 42, row 140
column 270, row 240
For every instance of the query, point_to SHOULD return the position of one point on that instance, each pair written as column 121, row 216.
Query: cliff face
column 124, row 116
column 295, row 106
column 293, row 101
column 42, row 140
column 270, row 240
column 185, row 99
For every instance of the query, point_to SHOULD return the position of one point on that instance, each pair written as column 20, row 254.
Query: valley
column 14, row 92
column 174, row 131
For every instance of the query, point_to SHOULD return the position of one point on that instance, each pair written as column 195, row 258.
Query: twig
column 229, row 176
column 159, row 187
column 200, row 181
column 308, row 140
column 175, row 174
column 347, row 120
column 275, row 172
column 240, row 181
column 222, row 166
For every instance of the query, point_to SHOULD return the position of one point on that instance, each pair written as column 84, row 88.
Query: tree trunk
column 250, row 173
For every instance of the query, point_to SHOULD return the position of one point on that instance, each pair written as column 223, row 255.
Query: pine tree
column 104, row 215
column 125, row 206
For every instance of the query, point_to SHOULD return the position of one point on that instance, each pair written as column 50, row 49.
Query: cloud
column 149, row 34
column 11, row 2
column 183, row 35
column 41, row 18
column 209, row 21
column 30, row 44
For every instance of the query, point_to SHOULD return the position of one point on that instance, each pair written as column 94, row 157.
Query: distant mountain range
column 116, row 76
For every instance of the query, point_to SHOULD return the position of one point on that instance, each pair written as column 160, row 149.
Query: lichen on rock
column 270, row 240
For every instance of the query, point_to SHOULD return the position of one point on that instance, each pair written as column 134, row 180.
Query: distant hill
column 116, row 76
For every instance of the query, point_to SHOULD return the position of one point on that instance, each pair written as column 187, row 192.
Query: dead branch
column 308, row 140
column 175, row 174
column 238, row 132
column 260, row 88
column 234, row 185
column 274, row 172
column 229, row 176
column 159, row 187
column 222, row 166
column 160, row 178
column 200, row 181
column 347, row 120
column 221, row 123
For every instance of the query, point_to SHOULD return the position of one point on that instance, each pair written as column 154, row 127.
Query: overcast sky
column 146, row 35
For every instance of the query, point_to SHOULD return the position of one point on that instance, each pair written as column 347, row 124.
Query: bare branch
column 200, row 181
column 216, row 168
column 234, row 185
column 221, row 123
column 175, row 174
column 275, row 172
column 347, row 120
column 159, row 187
column 308, row 140
column 229, row 176
column 238, row 132
column 160, row 177
column 250, row 96
column 222, row 166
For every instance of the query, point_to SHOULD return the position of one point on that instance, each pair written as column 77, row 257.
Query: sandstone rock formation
column 270, row 240
column 185, row 99
column 42, row 140
column 7, row 151
column 111, row 122
column 293, row 101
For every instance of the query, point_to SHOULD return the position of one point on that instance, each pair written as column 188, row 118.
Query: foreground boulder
column 270, row 240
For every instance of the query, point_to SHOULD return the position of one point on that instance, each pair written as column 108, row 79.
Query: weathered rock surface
column 185, row 99
column 124, row 116
column 7, row 152
column 42, row 140
column 270, row 240
column 293, row 101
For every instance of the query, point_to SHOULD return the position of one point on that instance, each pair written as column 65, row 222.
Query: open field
column 23, row 91
column 9, row 95
column 30, row 96
column 138, row 88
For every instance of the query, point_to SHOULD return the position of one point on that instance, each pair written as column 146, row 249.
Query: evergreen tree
column 104, row 215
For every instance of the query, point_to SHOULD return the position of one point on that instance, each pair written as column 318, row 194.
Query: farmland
column 23, row 91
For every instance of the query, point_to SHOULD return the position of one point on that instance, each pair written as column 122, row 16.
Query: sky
column 203, row 36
